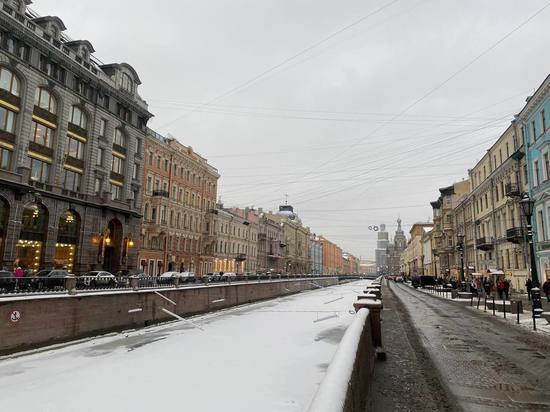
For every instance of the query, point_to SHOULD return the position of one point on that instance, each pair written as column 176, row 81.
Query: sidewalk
column 406, row 381
column 525, row 318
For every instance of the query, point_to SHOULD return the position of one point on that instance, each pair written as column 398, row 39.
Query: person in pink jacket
column 19, row 273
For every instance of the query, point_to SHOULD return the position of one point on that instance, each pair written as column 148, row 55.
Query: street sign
column 15, row 316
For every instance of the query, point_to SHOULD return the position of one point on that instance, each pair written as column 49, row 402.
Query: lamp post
column 527, row 205
column 460, row 238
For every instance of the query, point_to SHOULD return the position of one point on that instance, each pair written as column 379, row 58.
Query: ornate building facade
column 180, row 191
column 395, row 249
column 71, row 149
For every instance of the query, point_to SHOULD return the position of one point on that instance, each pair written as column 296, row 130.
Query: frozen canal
column 268, row 356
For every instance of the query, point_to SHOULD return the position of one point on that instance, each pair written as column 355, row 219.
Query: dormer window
column 127, row 83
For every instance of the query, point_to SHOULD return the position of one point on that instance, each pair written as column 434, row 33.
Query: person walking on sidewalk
column 529, row 286
column 546, row 289
column 500, row 288
column 506, row 288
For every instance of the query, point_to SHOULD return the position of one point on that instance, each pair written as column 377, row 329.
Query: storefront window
column 67, row 241
column 29, row 254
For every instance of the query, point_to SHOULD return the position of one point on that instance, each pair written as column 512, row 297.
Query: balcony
column 514, row 235
column 161, row 193
column 485, row 243
column 512, row 190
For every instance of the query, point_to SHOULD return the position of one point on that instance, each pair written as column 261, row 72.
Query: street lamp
column 527, row 205
column 460, row 238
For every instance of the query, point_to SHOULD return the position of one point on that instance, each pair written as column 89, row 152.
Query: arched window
column 78, row 117
column 127, row 82
column 9, row 82
column 44, row 99
column 146, row 211
column 119, row 138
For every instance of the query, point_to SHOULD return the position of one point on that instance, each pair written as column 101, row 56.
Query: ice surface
column 269, row 356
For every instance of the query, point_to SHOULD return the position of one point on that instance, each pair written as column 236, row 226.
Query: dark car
column 7, row 281
column 48, row 279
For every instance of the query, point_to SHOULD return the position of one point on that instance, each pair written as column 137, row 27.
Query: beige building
column 444, row 253
column 236, row 232
column 497, row 234
column 412, row 258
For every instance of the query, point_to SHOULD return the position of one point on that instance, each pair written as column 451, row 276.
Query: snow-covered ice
column 269, row 356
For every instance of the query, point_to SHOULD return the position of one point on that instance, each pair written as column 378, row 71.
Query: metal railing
column 34, row 285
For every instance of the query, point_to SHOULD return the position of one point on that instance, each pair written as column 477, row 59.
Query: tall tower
column 382, row 243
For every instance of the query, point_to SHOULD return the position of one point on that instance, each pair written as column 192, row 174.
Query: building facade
column 412, row 258
column 71, row 149
column 491, row 218
column 271, row 256
column 534, row 124
column 180, row 191
column 394, row 250
column 236, row 232
column 333, row 263
column 316, row 254
column 296, row 240
column 381, row 252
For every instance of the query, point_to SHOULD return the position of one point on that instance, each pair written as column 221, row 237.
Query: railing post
column 134, row 284
column 375, row 308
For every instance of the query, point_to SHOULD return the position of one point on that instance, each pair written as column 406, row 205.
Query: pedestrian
column 18, row 270
column 546, row 289
column 500, row 288
column 506, row 288
column 529, row 286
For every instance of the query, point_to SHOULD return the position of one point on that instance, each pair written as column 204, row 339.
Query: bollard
column 493, row 306
column 472, row 300
column 478, row 300
column 485, row 309
column 504, row 306
column 517, row 309
column 176, row 282
column 70, row 284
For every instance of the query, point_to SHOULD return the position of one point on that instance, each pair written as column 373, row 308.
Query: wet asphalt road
column 485, row 364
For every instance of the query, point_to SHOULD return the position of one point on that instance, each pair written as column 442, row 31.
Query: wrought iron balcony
column 512, row 190
column 163, row 193
column 485, row 243
column 514, row 235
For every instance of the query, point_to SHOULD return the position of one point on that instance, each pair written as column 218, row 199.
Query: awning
column 496, row 272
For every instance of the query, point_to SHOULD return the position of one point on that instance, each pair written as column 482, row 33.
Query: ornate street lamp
column 460, row 238
column 527, row 206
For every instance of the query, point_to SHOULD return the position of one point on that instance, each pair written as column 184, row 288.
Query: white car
column 98, row 278
column 187, row 276
column 229, row 276
column 170, row 275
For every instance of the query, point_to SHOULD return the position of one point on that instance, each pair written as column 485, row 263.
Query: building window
column 78, row 117
column 9, row 82
column 536, row 172
column 97, row 186
column 102, row 127
column 150, row 159
column 117, row 165
column 7, row 120
column 116, row 192
column 44, row 99
column 100, row 156
column 546, row 167
column 149, row 184
column 543, row 121
column 40, row 171
column 41, row 134
column 75, row 148
column 119, row 138
column 5, row 158
column 127, row 83
column 165, row 165
column 540, row 221
column 135, row 171
column 72, row 180
column 534, row 130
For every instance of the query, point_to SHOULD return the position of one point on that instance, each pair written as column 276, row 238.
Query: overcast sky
column 358, row 110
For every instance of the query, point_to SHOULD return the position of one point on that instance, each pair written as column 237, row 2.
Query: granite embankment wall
column 44, row 320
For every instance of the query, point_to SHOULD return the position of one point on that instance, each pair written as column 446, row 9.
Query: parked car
column 251, row 276
column 47, row 279
column 123, row 275
column 7, row 281
column 229, row 276
column 188, row 277
column 214, row 277
column 399, row 279
column 97, row 278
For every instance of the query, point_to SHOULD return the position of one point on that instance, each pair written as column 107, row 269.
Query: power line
column 285, row 61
